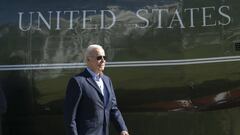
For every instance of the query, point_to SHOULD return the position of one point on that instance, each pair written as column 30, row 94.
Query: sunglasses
column 101, row 57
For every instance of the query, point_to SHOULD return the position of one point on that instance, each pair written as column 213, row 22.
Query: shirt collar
column 95, row 76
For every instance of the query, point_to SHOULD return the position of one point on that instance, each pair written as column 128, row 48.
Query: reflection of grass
column 175, row 76
column 51, row 89
column 201, row 73
column 144, row 78
column 220, row 122
column 203, row 51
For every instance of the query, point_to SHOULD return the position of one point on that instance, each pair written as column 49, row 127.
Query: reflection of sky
column 9, row 8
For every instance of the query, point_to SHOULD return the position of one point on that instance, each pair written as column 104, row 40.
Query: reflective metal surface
column 174, row 63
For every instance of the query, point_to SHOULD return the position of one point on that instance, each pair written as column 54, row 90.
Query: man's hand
column 124, row 133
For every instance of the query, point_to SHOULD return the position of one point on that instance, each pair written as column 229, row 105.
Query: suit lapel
column 106, row 82
column 93, row 84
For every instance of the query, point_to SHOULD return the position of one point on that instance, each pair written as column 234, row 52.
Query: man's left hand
column 124, row 133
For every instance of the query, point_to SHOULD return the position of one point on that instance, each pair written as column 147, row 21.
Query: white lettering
column 191, row 15
column 88, row 19
column 20, row 21
column 209, row 16
column 58, row 20
column 178, row 19
column 71, row 18
column 224, row 15
column 48, row 24
column 142, row 18
column 160, row 16
column 102, row 19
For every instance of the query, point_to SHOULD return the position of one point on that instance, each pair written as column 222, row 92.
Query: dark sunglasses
column 101, row 57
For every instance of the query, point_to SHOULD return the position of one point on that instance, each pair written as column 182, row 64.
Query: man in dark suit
column 90, row 102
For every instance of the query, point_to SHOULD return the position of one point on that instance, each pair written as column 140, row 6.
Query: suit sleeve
column 72, row 99
column 116, row 115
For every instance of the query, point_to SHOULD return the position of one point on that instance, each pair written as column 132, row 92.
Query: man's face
column 96, row 61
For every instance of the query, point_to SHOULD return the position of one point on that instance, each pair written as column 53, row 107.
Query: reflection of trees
column 17, row 84
column 63, row 46
column 19, row 89
column 13, row 43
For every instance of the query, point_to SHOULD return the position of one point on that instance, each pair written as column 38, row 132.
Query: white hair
column 90, row 49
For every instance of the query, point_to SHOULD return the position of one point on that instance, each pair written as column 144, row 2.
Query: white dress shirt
column 97, row 78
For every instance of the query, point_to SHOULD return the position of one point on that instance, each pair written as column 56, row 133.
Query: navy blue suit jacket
column 84, row 109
